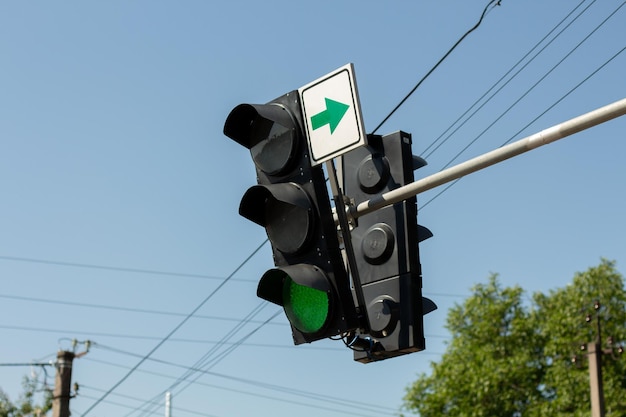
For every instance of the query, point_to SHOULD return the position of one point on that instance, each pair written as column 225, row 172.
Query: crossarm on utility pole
column 536, row 140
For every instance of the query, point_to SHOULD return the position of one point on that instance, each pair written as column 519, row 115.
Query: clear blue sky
column 112, row 157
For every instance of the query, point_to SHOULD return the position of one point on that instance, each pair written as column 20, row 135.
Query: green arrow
column 331, row 116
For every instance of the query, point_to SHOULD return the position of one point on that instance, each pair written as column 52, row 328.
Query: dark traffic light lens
column 286, row 212
column 378, row 244
column 274, row 154
column 307, row 308
column 288, row 225
column 373, row 173
column 269, row 131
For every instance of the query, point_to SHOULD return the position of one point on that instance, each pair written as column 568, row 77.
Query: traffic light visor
column 284, row 210
column 303, row 291
column 268, row 130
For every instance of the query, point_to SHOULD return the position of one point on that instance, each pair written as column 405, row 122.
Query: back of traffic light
column 386, row 249
column 291, row 201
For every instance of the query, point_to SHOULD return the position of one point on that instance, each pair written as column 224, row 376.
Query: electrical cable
column 202, row 362
column 566, row 94
column 517, row 101
column 216, row 359
column 248, row 381
column 178, row 409
column 173, row 339
column 174, row 330
column 533, row 86
column 536, row 118
column 120, row 308
column 159, row 312
column 490, row 4
column 306, row 394
column 27, row 364
column 426, row 155
column 116, row 268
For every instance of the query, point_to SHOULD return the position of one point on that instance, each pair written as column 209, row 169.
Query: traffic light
column 386, row 249
column 291, row 201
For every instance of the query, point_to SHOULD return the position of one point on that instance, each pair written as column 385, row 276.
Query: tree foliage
column 512, row 356
column 26, row 405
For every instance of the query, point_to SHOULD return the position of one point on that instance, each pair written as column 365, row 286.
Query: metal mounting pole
column 344, row 227
column 549, row 135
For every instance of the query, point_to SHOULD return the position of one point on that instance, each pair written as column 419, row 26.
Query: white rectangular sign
column 332, row 115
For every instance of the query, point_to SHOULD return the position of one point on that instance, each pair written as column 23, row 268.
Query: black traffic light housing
column 291, row 201
column 386, row 248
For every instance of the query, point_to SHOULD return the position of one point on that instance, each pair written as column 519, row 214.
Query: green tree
column 511, row 356
column 26, row 405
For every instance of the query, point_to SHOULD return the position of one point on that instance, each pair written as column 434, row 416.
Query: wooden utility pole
column 62, row 384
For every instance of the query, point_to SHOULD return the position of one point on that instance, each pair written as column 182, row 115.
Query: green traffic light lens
column 307, row 308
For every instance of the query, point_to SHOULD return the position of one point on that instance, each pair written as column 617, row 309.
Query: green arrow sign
column 331, row 116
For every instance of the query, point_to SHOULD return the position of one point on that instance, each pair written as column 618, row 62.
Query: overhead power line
column 212, row 358
column 174, row 330
column 121, row 308
column 426, row 154
column 566, row 94
column 117, row 268
column 118, row 404
column 537, row 118
column 27, row 364
column 172, row 339
column 492, row 3
column 555, row 66
column 258, row 384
